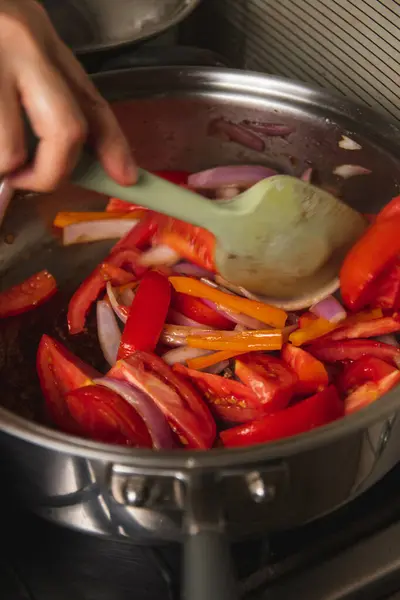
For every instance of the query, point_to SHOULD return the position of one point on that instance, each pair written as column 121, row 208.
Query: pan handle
column 207, row 563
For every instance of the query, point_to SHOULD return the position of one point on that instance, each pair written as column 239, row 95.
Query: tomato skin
column 270, row 378
column 331, row 351
column 192, row 243
column 27, row 295
column 229, row 400
column 315, row 411
column 197, row 310
column 366, row 329
column 390, row 211
column 183, row 407
column 147, row 315
column 386, row 289
column 312, row 374
column 103, row 416
column 364, row 263
column 59, row 372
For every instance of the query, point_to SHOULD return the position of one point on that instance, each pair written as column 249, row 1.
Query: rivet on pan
column 135, row 491
column 257, row 488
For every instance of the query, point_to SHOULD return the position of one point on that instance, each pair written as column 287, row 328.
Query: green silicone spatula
column 283, row 238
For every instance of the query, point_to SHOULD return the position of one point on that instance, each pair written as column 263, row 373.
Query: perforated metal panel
column 351, row 46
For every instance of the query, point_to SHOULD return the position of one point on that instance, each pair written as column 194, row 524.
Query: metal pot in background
column 200, row 498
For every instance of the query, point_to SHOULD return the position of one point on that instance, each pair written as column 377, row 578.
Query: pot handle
column 207, row 562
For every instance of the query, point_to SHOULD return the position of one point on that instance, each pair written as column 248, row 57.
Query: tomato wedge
column 59, row 372
column 270, row 378
column 366, row 329
column 27, row 295
column 345, row 350
column 103, row 416
column 312, row 374
column 375, row 251
column 147, row 315
column 229, row 400
column 192, row 243
column 197, row 310
column 315, row 411
column 386, row 290
column 181, row 404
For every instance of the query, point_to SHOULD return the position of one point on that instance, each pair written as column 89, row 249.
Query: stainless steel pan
column 199, row 498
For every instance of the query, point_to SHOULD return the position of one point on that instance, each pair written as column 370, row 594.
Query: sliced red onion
column 240, row 328
column 217, row 368
column 389, row 339
column 159, row 255
column 185, row 268
column 176, row 335
column 183, row 354
column 307, row 175
column 121, row 314
column 286, row 331
column 108, row 332
column 6, row 194
column 330, row 309
column 269, row 129
column 127, row 295
column 239, row 176
column 178, row 319
column 241, row 319
column 233, row 132
column 223, row 194
column 94, row 231
column 154, row 419
column 348, row 144
column 347, row 171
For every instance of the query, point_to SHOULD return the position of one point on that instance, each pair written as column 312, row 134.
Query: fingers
column 56, row 119
column 105, row 135
column 12, row 141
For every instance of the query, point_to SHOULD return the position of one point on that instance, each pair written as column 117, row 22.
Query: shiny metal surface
column 97, row 488
column 91, row 25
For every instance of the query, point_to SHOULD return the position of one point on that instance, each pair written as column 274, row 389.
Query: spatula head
column 290, row 240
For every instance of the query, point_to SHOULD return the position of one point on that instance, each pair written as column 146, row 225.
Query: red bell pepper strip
column 375, row 251
column 59, row 372
column 366, row 329
column 386, row 290
column 182, row 405
column 125, row 252
column 115, row 205
column 192, row 243
column 312, row 374
column 197, row 310
column 270, row 378
column 366, row 380
column 315, row 411
column 345, row 350
column 103, row 416
column 27, row 295
column 390, row 211
column 147, row 315
column 229, row 400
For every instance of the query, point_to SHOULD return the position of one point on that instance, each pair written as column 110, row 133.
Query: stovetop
column 350, row 554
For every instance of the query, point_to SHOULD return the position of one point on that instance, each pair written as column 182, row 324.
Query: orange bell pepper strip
column 246, row 341
column 312, row 331
column 203, row 362
column 273, row 316
column 68, row 218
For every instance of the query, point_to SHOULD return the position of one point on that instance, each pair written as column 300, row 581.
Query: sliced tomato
column 27, row 295
column 366, row 329
column 386, row 290
column 367, row 368
column 59, row 372
column 147, row 315
column 229, row 400
column 375, row 251
column 192, row 243
column 390, row 211
column 312, row 374
column 181, row 404
column 366, row 380
column 315, row 411
column 331, row 351
column 270, row 378
column 103, row 416
column 196, row 309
